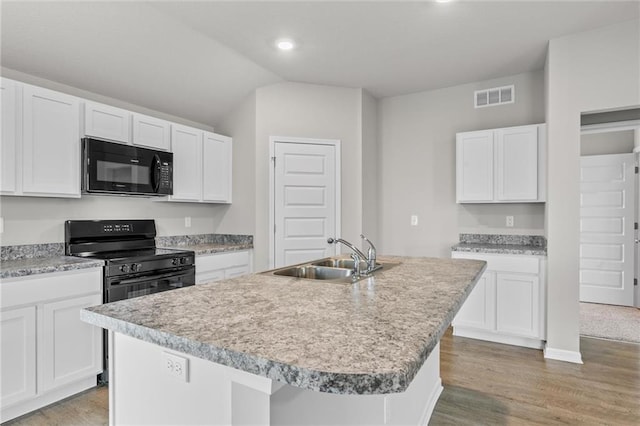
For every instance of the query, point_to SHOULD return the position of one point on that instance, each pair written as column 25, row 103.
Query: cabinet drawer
column 216, row 261
column 504, row 262
column 56, row 285
column 209, row 276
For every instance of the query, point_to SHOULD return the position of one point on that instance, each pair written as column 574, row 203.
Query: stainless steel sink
column 340, row 263
column 315, row 272
column 329, row 269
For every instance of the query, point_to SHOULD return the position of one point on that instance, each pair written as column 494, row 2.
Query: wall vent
column 494, row 96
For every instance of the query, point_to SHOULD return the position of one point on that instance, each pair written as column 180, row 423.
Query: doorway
column 304, row 199
column 609, row 207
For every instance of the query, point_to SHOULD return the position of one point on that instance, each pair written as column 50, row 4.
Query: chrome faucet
column 371, row 254
column 358, row 255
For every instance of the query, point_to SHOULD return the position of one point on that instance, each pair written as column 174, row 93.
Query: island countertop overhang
column 370, row 337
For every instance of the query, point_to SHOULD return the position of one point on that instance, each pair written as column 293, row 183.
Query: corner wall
column 417, row 174
column 586, row 72
column 308, row 111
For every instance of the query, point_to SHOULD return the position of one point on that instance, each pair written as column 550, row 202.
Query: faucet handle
column 371, row 246
column 331, row 240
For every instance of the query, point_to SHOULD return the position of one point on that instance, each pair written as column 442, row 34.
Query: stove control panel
column 116, row 227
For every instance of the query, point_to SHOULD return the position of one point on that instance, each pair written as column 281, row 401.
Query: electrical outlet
column 509, row 221
column 414, row 220
column 177, row 366
column 187, row 221
column 1, row 225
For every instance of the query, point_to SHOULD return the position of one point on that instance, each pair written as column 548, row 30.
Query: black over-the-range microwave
column 114, row 168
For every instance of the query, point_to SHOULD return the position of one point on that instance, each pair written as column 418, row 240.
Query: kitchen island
column 265, row 349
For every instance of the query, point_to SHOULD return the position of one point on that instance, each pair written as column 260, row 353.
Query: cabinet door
column 151, row 132
column 105, row 121
column 70, row 349
column 517, row 163
column 186, row 144
column 478, row 311
column 9, row 142
column 518, row 304
column 18, row 349
column 51, row 143
column 216, row 168
column 474, row 166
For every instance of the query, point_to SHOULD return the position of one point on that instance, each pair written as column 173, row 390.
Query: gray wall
column 417, row 157
column 586, row 72
column 30, row 220
column 370, row 167
column 620, row 142
column 240, row 217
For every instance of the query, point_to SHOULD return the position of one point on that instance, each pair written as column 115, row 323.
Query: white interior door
column 305, row 201
column 607, row 200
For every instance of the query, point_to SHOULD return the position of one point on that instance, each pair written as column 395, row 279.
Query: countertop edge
column 303, row 378
column 75, row 264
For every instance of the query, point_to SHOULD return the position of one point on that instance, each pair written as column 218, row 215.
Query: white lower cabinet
column 48, row 353
column 507, row 304
column 220, row 266
column 18, row 352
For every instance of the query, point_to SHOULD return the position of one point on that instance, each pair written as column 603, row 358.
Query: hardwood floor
column 87, row 408
column 492, row 384
column 484, row 384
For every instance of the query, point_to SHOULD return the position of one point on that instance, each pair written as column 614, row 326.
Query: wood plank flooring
column 484, row 384
column 492, row 384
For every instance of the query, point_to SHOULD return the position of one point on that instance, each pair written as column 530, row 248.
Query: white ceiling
column 198, row 59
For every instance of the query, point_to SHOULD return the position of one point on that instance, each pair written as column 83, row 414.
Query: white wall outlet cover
column 509, row 221
column 187, row 221
column 177, row 366
column 414, row 220
column 1, row 225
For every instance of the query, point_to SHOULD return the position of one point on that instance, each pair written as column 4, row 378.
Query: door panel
column 304, row 202
column 518, row 304
column 18, row 355
column 607, row 200
column 517, row 156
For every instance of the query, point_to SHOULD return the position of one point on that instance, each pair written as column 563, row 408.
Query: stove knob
column 183, row 260
column 135, row 267
column 124, row 268
column 175, row 261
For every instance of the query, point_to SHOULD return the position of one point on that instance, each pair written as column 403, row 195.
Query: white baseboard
column 562, row 355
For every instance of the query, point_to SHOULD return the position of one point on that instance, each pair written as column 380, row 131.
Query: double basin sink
column 330, row 269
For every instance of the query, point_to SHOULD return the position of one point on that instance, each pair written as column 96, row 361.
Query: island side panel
column 144, row 390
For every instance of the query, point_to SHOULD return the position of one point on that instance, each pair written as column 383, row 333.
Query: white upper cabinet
column 186, row 145
column 9, row 104
column 474, row 158
column 107, row 122
column 201, row 166
column 151, row 132
column 216, row 168
column 517, row 163
column 501, row 165
column 50, row 143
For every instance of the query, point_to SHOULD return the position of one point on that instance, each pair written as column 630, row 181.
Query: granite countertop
column 32, row 266
column 502, row 244
column 207, row 243
column 370, row 337
column 211, row 248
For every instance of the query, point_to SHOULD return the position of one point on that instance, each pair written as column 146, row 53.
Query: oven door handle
column 151, row 278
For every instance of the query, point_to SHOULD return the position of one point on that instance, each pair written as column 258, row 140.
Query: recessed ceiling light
column 285, row 44
column 443, row 1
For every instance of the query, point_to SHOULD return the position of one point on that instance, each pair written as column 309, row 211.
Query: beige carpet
column 610, row 322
